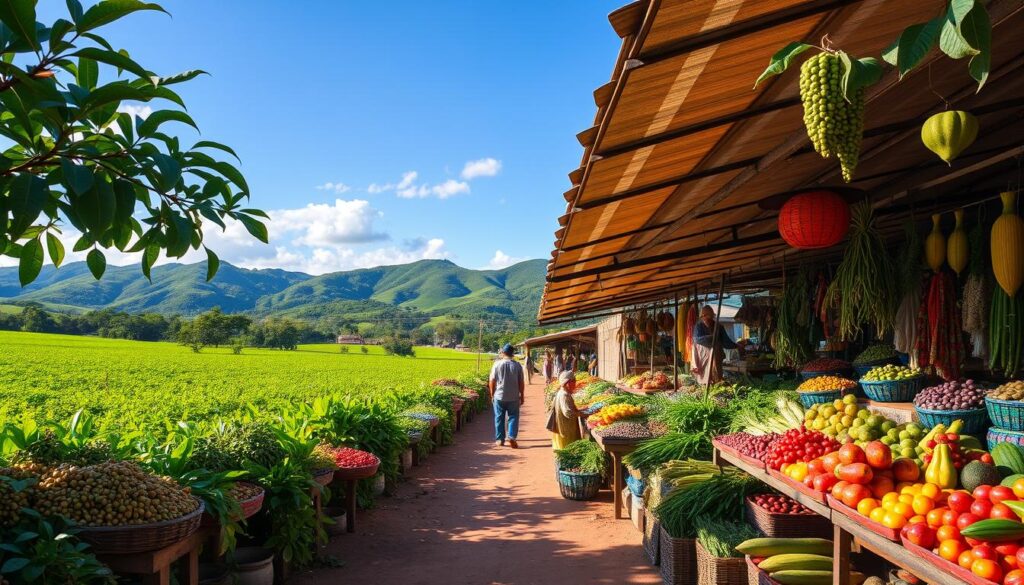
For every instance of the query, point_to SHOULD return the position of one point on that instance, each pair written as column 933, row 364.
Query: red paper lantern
column 815, row 219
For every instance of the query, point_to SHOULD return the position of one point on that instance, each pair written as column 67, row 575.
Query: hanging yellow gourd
column 956, row 245
column 1007, row 244
column 935, row 246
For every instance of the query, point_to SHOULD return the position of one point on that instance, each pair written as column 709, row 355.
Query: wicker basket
column 678, row 560
column 249, row 508
column 809, row 399
column 353, row 473
column 141, row 537
column 756, row 576
column 652, row 537
column 1006, row 414
column 975, row 420
column 893, row 390
column 837, row 373
column 712, row 570
column 996, row 435
column 578, row 486
column 787, row 525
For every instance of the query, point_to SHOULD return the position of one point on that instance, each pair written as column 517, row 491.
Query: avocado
column 977, row 473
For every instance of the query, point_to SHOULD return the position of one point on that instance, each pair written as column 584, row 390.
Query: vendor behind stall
column 705, row 363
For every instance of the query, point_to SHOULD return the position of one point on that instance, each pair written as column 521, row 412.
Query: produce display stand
column 642, row 392
column 846, row 531
column 618, row 449
column 154, row 567
column 351, row 477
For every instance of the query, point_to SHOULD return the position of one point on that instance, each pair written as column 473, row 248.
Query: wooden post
column 479, row 345
column 840, row 556
column 675, row 342
column 714, row 334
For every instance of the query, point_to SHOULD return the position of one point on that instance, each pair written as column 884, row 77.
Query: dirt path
column 476, row 514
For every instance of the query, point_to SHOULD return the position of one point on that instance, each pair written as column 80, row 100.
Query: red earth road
column 476, row 514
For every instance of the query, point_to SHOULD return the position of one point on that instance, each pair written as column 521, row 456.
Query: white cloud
column 336, row 188
column 503, row 260
column 323, row 260
column 485, row 167
column 141, row 111
column 322, row 224
column 450, row 188
column 407, row 180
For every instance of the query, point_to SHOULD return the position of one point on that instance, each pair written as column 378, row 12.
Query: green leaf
column 97, row 263
column 78, row 178
column 55, row 248
column 20, row 17
column 952, row 42
column 149, row 257
column 112, row 93
column 113, row 58
column 212, row 264
column 858, row 73
column 31, row 261
column 958, row 9
column 148, row 126
column 110, row 10
column 25, row 202
column 88, row 74
column 781, row 60
column 218, row 146
column 75, row 10
column 976, row 29
column 915, row 42
column 179, row 78
column 96, row 208
column 170, row 171
column 255, row 227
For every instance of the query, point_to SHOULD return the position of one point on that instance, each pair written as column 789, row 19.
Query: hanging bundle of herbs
column 908, row 268
column 939, row 341
column 793, row 336
column 865, row 286
column 976, row 293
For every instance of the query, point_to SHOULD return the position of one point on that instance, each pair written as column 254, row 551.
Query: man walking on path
column 508, row 392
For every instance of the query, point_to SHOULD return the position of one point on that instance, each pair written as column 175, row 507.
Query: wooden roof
column 683, row 152
column 588, row 333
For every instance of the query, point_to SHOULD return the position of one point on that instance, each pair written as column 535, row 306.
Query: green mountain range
column 433, row 287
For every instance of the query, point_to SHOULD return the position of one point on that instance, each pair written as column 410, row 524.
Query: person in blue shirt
column 508, row 392
column 706, row 364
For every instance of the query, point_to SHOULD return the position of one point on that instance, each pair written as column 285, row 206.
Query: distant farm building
column 351, row 339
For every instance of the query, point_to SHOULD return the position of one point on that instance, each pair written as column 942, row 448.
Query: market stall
column 852, row 171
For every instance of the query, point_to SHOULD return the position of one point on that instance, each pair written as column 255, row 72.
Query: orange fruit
column 987, row 569
column 934, row 517
column 877, row 514
column 931, row 490
column 905, row 498
column 947, row 533
column 903, row 509
column 966, row 559
column 1018, row 488
column 865, row 506
column 894, row 520
column 951, row 549
column 918, row 519
column 922, row 504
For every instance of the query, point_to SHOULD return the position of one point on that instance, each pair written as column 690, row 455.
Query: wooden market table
column 617, row 448
column 154, row 567
column 846, row 533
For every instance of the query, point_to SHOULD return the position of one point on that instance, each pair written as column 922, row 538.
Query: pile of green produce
column 876, row 353
column 891, row 372
column 582, row 457
column 717, row 499
column 720, row 537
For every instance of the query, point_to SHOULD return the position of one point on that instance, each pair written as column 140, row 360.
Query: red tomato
column 965, row 520
column 960, row 502
column 1014, row 577
column 984, row 551
column 921, row 535
column 1007, row 548
column 981, row 508
column 1003, row 511
column 824, row 482
column 981, row 492
column 1000, row 493
column 1020, row 556
column 949, row 518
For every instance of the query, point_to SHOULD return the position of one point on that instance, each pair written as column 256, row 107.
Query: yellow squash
column 1007, row 243
column 956, row 245
column 935, row 245
column 941, row 471
column 947, row 134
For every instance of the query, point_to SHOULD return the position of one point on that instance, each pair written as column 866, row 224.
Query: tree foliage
column 120, row 181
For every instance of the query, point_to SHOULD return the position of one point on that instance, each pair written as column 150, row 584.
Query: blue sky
column 314, row 94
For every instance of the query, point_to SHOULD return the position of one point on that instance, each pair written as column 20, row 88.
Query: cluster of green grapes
column 834, row 124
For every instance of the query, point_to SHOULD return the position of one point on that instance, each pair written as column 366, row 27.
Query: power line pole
column 479, row 345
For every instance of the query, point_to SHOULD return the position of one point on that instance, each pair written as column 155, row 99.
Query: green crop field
column 55, row 375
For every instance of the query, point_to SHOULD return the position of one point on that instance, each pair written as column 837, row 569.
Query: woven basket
column 837, row 373
column 678, row 560
column 578, row 486
column 975, row 419
column 652, row 537
column 809, row 399
column 712, row 570
column 353, row 473
column 756, row 576
column 776, row 525
column 323, row 476
column 893, row 390
column 141, row 537
column 863, row 369
column 1006, row 414
column 996, row 435
column 249, row 508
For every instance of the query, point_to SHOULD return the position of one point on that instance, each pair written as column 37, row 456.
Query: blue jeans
column 501, row 409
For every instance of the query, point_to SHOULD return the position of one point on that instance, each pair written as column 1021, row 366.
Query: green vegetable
column 584, row 456
column 652, row 453
column 719, row 498
column 721, row 537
